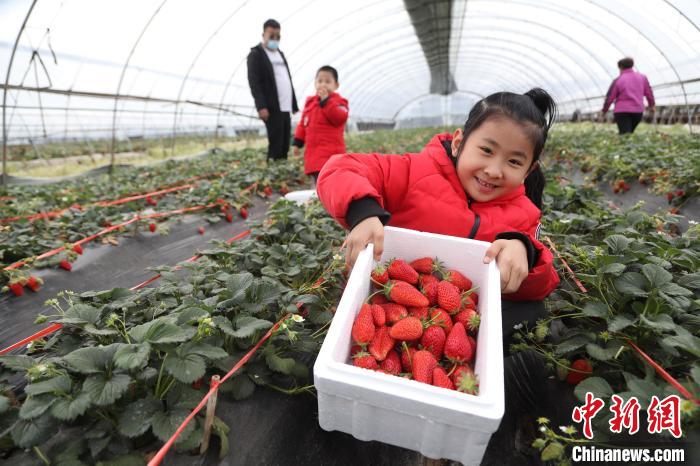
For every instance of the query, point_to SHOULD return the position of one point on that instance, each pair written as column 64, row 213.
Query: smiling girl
column 482, row 182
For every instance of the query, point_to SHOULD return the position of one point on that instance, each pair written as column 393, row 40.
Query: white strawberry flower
column 297, row 318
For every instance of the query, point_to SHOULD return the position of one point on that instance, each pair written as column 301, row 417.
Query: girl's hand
column 511, row 256
column 370, row 230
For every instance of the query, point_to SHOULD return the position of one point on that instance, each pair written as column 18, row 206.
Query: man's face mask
column 273, row 44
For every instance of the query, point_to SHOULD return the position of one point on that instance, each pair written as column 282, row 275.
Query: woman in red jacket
column 322, row 123
column 482, row 182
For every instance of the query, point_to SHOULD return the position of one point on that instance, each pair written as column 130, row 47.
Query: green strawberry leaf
column 136, row 419
column 68, row 409
column 105, row 390
column 132, row 356
column 60, row 384
column 596, row 385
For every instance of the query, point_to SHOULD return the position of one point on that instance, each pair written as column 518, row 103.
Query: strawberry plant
column 127, row 366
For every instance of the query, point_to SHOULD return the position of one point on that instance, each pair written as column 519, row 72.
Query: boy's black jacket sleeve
column 533, row 255
column 364, row 208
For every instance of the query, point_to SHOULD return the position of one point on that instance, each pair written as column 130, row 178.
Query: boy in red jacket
column 322, row 123
column 482, row 182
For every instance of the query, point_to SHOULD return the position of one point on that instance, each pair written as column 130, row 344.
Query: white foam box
column 301, row 196
column 436, row 422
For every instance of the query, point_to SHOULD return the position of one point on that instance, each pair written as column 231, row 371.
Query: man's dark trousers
column 279, row 130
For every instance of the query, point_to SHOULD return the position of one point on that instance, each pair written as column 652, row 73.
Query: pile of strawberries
column 421, row 324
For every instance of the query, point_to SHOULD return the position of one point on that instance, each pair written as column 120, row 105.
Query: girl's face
column 495, row 160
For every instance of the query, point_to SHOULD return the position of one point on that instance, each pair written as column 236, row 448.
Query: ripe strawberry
column 680, row 193
column 440, row 379
column 200, row 230
column 472, row 342
column 433, row 340
column 404, row 293
column 152, row 227
column 34, row 283
column 378, row 315
column 365, row 361
column 426, row 265
column 419, row 312
column 284, row 190
column 423, row 364
column 670, row 196
column 408, row 328
column 243, row 212
column 381, row 344
column 78, row 248
column 394, row 312
column 392, row 363
column 431, row 291
column 458, row 280
column 469, row 318
column 354, row 349
column 440, row 317
column 380, row 275
column 16, row 288
column 616, row 190
column 64, row 264
column 580, row 370
column 378, row 299
column 400, row 270
column 424, row 279
column 468, row 302
column 474, row 297
column 465, row 380
column 407, row 353
column 268, row 191
column 448, row 296
column 229, row 217
column 363, row 327
column 458, row 349
column 626, row 186
column 197, row 384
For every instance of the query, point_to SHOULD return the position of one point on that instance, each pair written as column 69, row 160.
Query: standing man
column 271, row 85
column 628, row 91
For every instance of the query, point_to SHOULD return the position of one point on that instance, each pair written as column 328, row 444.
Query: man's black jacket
column 261, row 78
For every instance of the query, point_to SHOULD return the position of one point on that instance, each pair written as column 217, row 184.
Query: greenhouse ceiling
column 86, row 68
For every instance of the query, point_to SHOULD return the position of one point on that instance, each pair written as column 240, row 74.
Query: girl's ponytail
column 545, row 104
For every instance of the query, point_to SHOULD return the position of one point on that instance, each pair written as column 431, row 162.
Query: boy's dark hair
column 626, row 63
column 271, row 23
column 330, row 70
column 535, row 110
